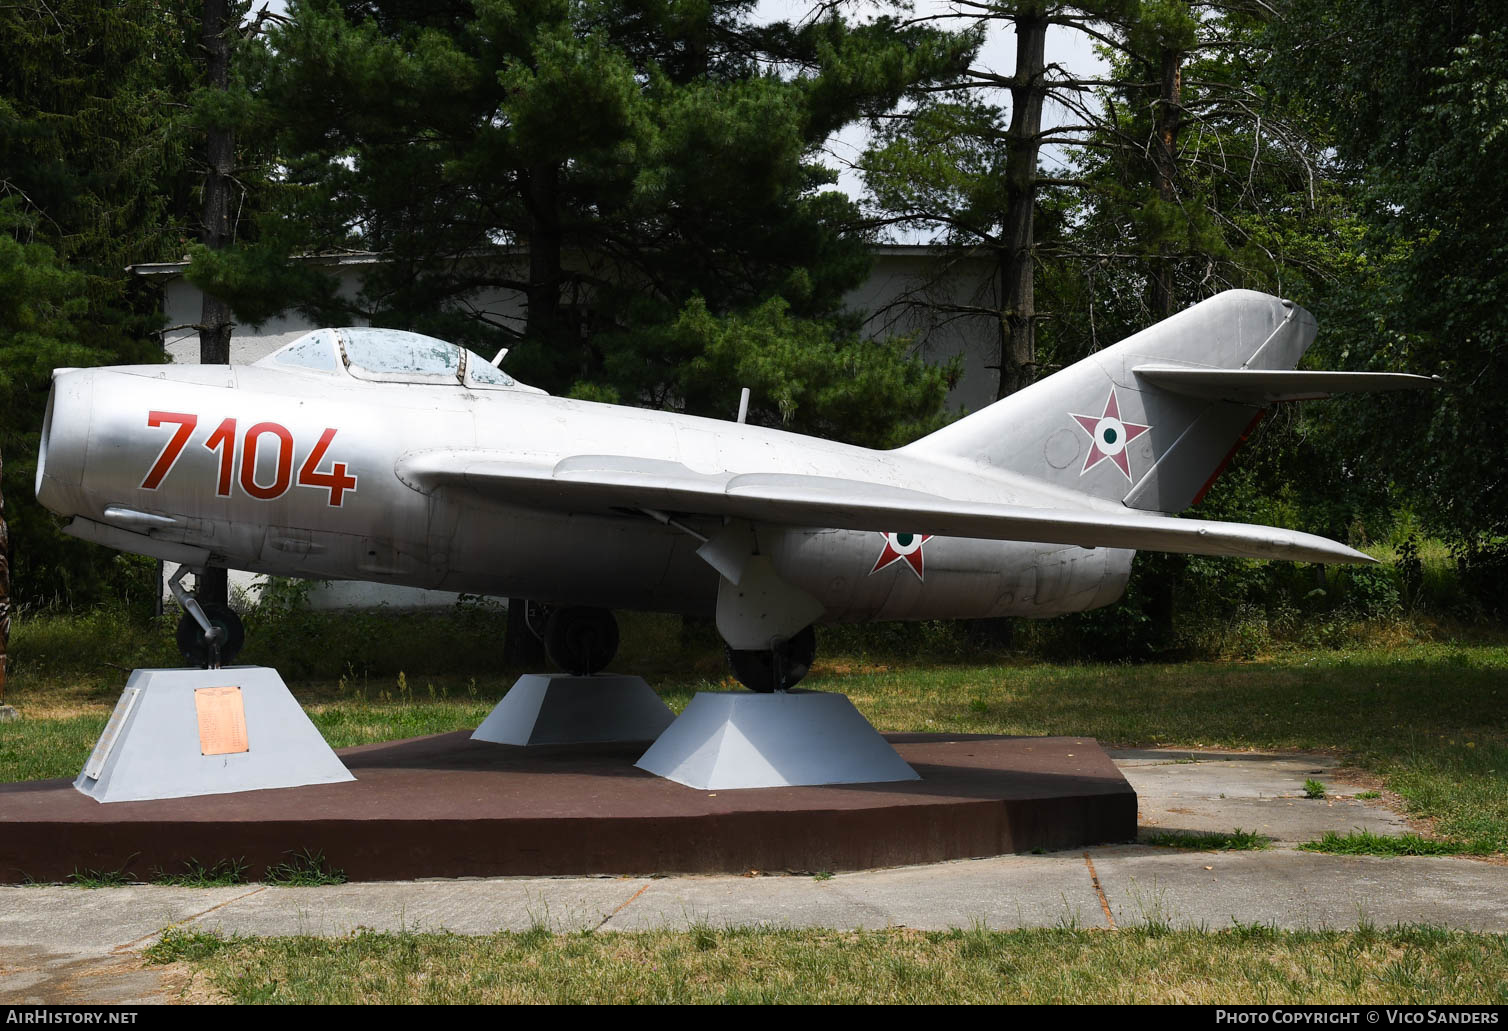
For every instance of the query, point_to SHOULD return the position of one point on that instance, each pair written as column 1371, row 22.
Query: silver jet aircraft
column 381, row 455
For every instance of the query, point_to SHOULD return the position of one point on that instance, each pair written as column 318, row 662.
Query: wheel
column 775, row 669
column 192, row 643
column 581, row 640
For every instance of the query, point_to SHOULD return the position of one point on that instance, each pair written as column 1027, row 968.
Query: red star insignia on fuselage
column 903, row 547
column 1109, row 436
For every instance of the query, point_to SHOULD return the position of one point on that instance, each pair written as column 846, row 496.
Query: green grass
column 300, row 869
column 101, row 878
column 1430, row 720
column 1152, row 964
column 195, row 874
column 1313, row 789
column 1236, row 841
column 304, row 869
column 1365, row 843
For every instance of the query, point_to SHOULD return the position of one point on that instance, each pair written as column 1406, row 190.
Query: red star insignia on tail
column 1109, row 435
column 903, row 547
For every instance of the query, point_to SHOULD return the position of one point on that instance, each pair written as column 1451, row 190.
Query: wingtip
column 1350, row 556
column 1326, row 551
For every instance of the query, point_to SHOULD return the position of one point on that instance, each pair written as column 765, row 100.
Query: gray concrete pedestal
column 176, row 733
column 559, row 709
column 736, row 739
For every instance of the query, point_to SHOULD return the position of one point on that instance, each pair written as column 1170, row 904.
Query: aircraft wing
column 612, row 483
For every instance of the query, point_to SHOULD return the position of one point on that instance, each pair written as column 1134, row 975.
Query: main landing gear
column 778, row 668
column 583, row 640
column 209, row 636
column 578, row 639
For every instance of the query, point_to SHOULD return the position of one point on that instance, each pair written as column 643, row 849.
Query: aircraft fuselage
column 294, row 475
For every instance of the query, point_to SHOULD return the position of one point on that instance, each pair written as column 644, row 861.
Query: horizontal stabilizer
column 1264, row 386
column 608, row 484
column 1165, row 446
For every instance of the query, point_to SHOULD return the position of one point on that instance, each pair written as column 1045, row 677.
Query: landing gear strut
column 581, row 640
column 778, row 668
column 209, row 635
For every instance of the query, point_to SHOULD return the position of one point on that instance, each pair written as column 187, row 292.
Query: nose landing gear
column 209, row 636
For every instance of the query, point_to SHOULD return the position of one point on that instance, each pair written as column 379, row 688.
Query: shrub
column 1371, row 591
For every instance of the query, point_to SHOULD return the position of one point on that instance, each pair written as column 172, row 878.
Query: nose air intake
column 42, row 449
column 65, row 436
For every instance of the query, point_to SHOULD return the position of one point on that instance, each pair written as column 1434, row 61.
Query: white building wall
column 945, row 307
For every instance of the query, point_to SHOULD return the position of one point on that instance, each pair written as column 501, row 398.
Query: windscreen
column 314, row 351
column 395, row 354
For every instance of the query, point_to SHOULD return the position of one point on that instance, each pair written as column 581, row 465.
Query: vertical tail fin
column 1100, row 428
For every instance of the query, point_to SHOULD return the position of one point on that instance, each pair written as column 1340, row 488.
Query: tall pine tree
column 964, row 164
column 644, row 175
column 92, row 178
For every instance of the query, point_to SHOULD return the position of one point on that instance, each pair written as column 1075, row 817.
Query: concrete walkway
column 77, row 944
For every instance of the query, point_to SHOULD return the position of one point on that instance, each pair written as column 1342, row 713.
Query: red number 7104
column 223, row 441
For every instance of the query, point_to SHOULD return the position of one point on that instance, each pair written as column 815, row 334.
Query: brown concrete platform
column 446, row 806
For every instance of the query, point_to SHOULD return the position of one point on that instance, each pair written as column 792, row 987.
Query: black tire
column 764, row 670
column 195, row 648
column 581, row 640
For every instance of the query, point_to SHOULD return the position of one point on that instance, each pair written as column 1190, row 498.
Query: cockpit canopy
column 391, row 356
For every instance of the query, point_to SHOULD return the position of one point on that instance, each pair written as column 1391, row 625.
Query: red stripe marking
column 1228, row 456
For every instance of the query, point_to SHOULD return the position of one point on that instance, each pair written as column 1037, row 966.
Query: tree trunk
column 220, row 150
column 543, row 198
column 1018, row 241
column 1018, row 306
column 1018, row 312
column 1165, row 571
column 4, row 590
column 1168, row 114
column 542, row 323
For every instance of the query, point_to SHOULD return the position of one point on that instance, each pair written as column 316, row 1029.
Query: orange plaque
column 222, row 720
